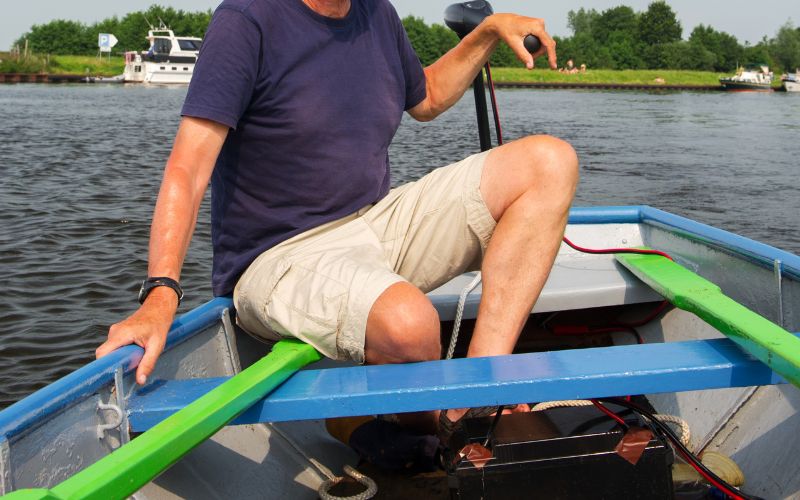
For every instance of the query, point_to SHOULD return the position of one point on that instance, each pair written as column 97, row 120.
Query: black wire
column 494, row 425
column 675, row 441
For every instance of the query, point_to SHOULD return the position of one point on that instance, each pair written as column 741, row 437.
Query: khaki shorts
column 319, row 286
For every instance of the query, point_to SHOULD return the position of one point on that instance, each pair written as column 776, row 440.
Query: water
column 81, row 166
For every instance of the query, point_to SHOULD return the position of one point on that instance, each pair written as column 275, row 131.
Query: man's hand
column 147, row 328
column 448, row 78
column 513, row 29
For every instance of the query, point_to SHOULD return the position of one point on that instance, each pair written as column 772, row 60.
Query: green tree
column 689, row 55
column 443, row 38
column 659, row 24
column 421, row 39
column 725, row 47
column 621, row 20
column 754, row 55
column 785, row 48
column 59, row 37
column 581, row 21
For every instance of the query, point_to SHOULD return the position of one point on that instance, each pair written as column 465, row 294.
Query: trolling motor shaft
column 463, row 18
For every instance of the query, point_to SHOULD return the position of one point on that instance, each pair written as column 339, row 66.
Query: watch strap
column 154, row 282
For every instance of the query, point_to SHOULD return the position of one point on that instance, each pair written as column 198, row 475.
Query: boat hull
column 737, row 85
column 158, row 72
column 54, row 433
column 790, row 86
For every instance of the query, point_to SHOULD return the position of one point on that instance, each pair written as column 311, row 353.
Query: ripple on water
column 81, row 166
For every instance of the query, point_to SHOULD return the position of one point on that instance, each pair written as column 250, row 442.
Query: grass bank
column 609, row 76
column 62, row 65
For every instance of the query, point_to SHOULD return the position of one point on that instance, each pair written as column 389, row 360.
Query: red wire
column 616, row 250
column 688, row 459
column 495, row 111
column 710, row 479
column 609, row 413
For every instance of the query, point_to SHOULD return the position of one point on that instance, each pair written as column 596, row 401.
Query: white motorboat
column 170, row 59
column 759, row 78
column 791, row 81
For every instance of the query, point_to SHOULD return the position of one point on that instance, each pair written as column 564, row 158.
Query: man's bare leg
column 403, row 327
column 528, row 186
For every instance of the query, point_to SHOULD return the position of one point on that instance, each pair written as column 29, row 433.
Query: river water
column 81, row 166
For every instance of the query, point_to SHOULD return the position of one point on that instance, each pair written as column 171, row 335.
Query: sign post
column 106, row 41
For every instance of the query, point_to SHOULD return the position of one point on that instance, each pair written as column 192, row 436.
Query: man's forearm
column 451, row 75
column 186, row 176
column 174, row 220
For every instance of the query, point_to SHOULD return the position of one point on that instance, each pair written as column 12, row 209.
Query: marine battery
column 560, row 453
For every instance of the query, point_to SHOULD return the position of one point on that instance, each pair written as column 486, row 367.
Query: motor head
column 466, row 16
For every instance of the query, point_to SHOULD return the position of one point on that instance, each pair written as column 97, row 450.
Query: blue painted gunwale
column 87, row 380
column 754, row 251
column 460, row 383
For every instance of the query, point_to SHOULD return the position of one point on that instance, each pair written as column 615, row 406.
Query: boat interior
column 596, row 331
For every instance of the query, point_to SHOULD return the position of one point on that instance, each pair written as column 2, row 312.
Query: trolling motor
column 463, row 18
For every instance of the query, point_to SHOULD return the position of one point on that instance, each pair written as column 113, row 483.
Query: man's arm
column 451, row 75
column 194, row 153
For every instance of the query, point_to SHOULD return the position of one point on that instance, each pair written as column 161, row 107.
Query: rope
column 683, row 426
column 462, row 299
column 370, row 492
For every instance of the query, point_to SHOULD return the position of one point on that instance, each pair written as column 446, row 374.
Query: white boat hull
column 159, row 73
column 791, row 86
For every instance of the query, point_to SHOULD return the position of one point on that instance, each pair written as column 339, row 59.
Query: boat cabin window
column 162, row 46
column 188, row 44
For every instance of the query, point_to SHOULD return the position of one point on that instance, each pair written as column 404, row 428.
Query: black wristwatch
column 150, row 283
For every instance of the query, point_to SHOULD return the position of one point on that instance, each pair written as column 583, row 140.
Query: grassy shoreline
column 608, row 76
column 94, row 66
column 62, row 65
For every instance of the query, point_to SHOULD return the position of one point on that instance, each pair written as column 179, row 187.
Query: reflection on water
column 81, row 165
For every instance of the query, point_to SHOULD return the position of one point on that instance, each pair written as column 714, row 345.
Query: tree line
column 616, row 38
column 65, row 37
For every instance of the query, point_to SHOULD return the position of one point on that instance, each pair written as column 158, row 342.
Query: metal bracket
column 122, row 402
column 5, row 467
column 778, row 272
column 102, row 428
column 120, row 419
column 230, row 340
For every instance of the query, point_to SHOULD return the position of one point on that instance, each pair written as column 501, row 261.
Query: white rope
column 371, row 491
column 331, row 479
column 683, row 426
column 462, row 300
column 560, row 404
column 686, row 434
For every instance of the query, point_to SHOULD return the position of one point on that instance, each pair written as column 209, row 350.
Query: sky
column 745, row 19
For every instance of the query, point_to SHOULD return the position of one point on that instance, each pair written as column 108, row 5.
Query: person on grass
column 289, row 114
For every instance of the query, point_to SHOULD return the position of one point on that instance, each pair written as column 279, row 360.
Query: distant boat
column 170, row 59
column 791, row 82
column 759, row 78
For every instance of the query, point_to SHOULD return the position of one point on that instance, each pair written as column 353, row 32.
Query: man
column 291, row 108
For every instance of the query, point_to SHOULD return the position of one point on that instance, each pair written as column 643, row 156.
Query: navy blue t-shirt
column 312, row 104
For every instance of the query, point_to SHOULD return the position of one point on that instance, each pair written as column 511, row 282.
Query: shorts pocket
column 308, row 306
column 253, row 294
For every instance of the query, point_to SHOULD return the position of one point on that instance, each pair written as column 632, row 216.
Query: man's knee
column 551, row 160
column 541, row 164
column 403, row 326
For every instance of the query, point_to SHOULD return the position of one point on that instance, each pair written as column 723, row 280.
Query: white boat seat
column 577, row 281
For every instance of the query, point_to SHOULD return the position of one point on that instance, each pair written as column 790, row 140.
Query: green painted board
column 765, row 340
column 132, row 466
